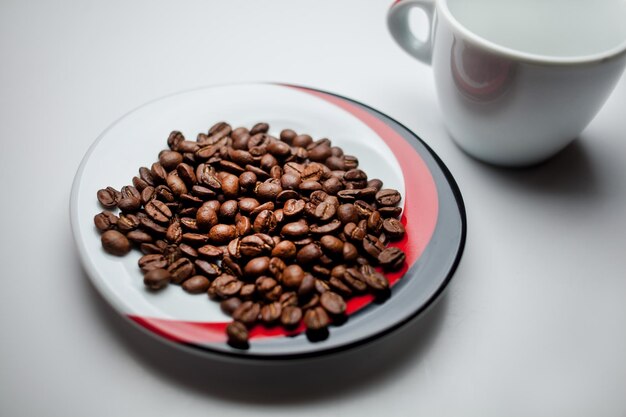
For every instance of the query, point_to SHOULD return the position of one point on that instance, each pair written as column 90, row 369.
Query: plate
column 433, row 214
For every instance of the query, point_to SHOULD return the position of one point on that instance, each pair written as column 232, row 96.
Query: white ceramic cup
column 517, row 80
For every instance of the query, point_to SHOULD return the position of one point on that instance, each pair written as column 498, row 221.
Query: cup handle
column 398, row 24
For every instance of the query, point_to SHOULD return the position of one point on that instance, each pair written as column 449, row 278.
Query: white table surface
column 533, row 324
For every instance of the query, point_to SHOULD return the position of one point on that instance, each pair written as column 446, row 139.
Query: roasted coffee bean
column 329, row 228
column 233, row 249
column 247, row 291
column 247, row 204
column 208, row 269
column 247, row 180
column 372, row 246
column 319, row 151
column 181, row 270
column 257, row 267
column 321, row 286
column 350, row 252
column 302, row 140
column 363, row 209
column 195, row 239
column 159, row 174
column 347, row 213
column 295, row 230
column 138, row 236
column 375, row 183
column 229, row 209
column 247, row 312
column 151, row 226
column 174, row 233
column 108, row 197
column 307, row 285
column 388, row 197
column 174, row 139
column 374, row 279
column 222, row 233
column 284, row 250
column 270, row 313
column 158, row 211
column 105, row 220
column 152, row 261
column 293, row 207
column 335, row 162
column 205, row 175
column 115, row 243
column 197, row 284
column 237, row 333
column 229, row 305
column 354, row 279
column 308, row 254
column 333, row 303
column 189, row 224
column 265, row 222
column 220, row 129
column 170, row 159
column 157, row 279
column 388, row 212
column 316, row 318
column 287, row 136
column 393, row 228
column 231, row 266
column 230, row 186
column 292, row 276
column 139, row 184
column 206, row 217
column 243, row 226
column 129, row 204
column 332, row 185
column 226, row 286
column 332, row 246
column 187, row 174
column 290, row 316
column 176, row 184
column 256, row 245
column 391, row 258
column 188, row 251
column 210, row 252
column 309, row 186
column 375, row 222
column 163, row 193
column 338, row 285
column 353, row 232
column 325, row 211
column 311, row 302
column 149, row 248
column 268, row 190
column 148, row 194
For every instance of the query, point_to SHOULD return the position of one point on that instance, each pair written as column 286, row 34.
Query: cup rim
column 442, row 8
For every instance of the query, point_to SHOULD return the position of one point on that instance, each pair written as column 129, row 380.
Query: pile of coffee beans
column 280, row 230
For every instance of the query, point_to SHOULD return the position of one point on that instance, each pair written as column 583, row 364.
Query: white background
column 533, row 324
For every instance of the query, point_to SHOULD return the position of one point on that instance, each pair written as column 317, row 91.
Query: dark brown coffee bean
column 197, row 284
column 329, row 228
column 279, row 149
column 284, row 250
column 391, row 259
column 287, row 195
column 243, row 225
column 332, row 245
column 309, row 186
column 302, row 140
column 174, row 139
column 129, row 204
column 321, row 286
column 115, row 243
column 229, row 209
column 208, row 269
column 108, row 197
column 372, row 246
column 287, row 136
column 350, row 252
column 206, row 217
column 335, row 163
column 233, row 249
column 374, row 279
column 188, row 251
column 151, row 226
column 363, row 209
column 230, row 186
column 319, row 152
column 312, row 172
column 229, row 305
column 139, row 184
column 311, row 302
column 237, row 333
column 265, row 206
column 333, row 303
column 257, row 267
column 353, row 232
column 187, row 174
column 149, row 248
column 354, row 279
column 270, row 313
column 247, row 204
column 290, row 316
column 338, row 285
column 170, row 159
column 325, row 211
column 316, row 318
column 247, row 312
column 163, row 193
column 138, row 236
column 292, row 276
column 158, row 211
column 265, row 222
column 105, row 221
column 256, row 245
column 332, row 185
column 181, row 270
column 195, row 239
column 159, row 174
column 293, row 207
column 227, row 286
column 295, row 230
column 307, row 285
column 308, row 254
column 247, row 180
column 375, row 183
column 375, row 222
column 176, row 184
column 259, row 140
column 220, row 129
column 210, row 252
column 290, row 180
column 388, row 197
column 157, row 279
column 268, row 190
column 174, row 233
column 152, row 261
column 394, row 229
column 347, row 213
column 148, row 194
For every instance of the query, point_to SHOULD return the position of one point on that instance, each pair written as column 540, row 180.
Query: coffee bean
column 325, row 211
column 316, row 318
column 372, row 246
column 350, row 252
column 354, row 279
column 196, row 284
column 265, row 222
column 188, row 251
column 227, row 286
column 332, row 246
column 284, row 250
column 158, row 211
column 237, row 334
column 268, row 190
column 195, row 239
column 394, row 229
column 338, row 285
column 290, row 316
column 256, row 245
column 374, row 279
column 174, row 233
column 170, row 159
column 210, row 252
column 331, row 227
column 333, row 303
column 308, row 254
column 347, row 213
column 228, row 209
column 108, row 197
column 206, row 268
column 222, row 233
column 293, row 207
column 115, row 243
column 181, row 270
column 105, row 220
column 391, row 258
column 229, row 305
column 152, row 261
column 157, row 279
column 294, row 230
column 230, row 186
column 256, row 267
column 247, row 312
column 292, row 276
column 388, row 197
column 138, row 236
column 270, row 313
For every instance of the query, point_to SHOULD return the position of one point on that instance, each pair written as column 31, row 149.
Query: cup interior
column 550, row 28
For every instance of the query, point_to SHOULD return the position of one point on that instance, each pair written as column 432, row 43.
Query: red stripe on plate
column 420, row 206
